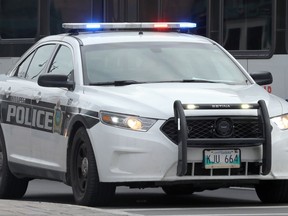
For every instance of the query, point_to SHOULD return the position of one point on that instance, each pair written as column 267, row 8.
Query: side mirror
column 262, row 78
column 55, row 80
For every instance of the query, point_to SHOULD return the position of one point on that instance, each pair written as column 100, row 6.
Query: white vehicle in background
column 139, row 105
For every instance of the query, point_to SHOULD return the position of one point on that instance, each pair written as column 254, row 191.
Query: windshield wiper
column 117, row 83
column 212, row 81
column 130, row 82
column 199, row 81
column 195, row 80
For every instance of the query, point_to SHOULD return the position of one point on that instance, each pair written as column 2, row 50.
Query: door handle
column 37, row 97
column 7, row 92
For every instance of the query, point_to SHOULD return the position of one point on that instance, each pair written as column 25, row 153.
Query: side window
column 63, row 62
column 22, row 69
column 39, row 60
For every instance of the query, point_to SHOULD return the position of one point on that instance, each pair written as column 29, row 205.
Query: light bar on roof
column 144, row 25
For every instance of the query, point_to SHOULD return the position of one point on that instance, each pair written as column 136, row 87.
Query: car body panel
column 123, row 155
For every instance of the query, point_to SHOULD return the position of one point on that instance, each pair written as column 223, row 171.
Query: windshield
column 158, row 62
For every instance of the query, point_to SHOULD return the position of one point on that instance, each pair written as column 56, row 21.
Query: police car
column 139, row 105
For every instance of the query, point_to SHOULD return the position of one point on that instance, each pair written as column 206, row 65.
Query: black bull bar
column 184, row 141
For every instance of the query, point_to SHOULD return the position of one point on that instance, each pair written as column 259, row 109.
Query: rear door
column 17, row 114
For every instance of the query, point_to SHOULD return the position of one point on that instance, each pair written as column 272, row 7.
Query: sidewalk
column 28, row 208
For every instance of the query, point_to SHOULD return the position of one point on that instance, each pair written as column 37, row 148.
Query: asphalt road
column 136, row 202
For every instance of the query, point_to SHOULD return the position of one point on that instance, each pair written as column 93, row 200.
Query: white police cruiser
column 121, row 104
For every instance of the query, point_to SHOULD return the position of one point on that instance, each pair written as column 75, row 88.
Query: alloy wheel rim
column 82, row 168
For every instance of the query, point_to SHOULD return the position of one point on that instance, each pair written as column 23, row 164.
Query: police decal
column 27, row 117
column 57, row 119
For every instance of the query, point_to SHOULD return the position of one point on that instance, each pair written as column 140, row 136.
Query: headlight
column 127, row 121
column 281, row 121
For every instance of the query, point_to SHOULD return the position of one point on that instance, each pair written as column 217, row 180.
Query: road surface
column 45, row 198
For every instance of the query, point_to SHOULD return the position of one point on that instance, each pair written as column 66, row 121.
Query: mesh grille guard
column 183, row 140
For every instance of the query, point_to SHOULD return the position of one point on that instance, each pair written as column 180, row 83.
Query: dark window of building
column 186, row 11
column 74, row 11
column 233, row 40
column 18, row 19
column 247, row 24
column 121, row 10
column 149, row 10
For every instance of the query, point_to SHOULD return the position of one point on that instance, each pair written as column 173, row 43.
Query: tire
column 273, row 191
column 10, row 186
column 87, row 189
column 175, row 190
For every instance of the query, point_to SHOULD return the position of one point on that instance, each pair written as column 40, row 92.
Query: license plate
column 219, row 159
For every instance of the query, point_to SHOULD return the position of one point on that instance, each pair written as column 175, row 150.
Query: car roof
column 90, row 38
column 138, row 36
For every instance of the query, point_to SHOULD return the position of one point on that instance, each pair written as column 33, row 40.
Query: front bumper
column 125, row 156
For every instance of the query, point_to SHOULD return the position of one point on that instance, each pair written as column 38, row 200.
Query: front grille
column 246, row 169
column 206, row 128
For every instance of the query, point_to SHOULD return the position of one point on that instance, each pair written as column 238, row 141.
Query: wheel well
column 75, row 127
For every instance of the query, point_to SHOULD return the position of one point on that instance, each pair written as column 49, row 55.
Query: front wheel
column 11, row 187
column 272, row 191
column 87, row 189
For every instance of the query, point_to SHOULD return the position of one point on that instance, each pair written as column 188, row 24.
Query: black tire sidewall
column 4, row 172
column 81, row 138
column 272, row 191
column 10, row 186
column 96, row 193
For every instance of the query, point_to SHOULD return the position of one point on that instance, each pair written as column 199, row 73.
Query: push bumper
column 130, row 156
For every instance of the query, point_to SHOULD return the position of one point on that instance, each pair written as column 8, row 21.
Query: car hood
column 156, row 100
